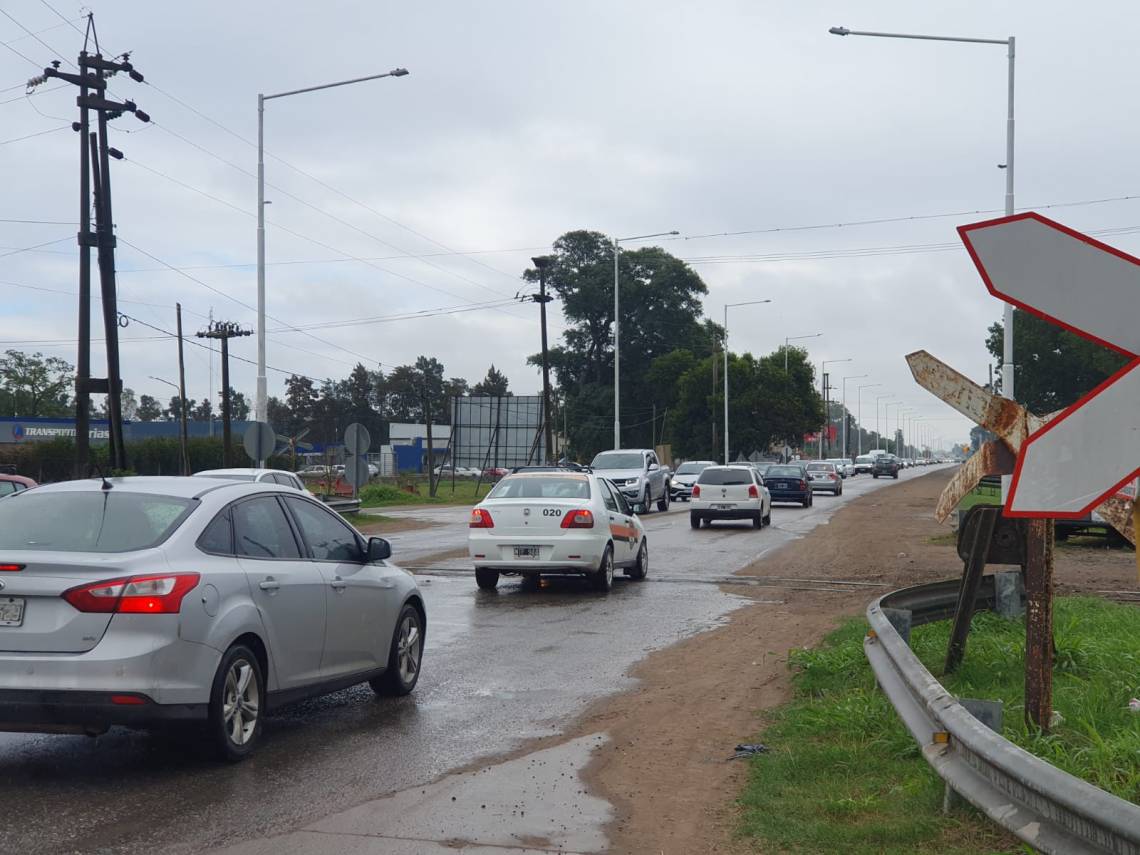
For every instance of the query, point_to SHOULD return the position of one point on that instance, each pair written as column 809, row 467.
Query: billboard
column 19, row 431
column 496, row 431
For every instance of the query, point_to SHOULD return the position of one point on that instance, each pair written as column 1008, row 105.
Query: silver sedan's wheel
column 236, row 704
column 405, row 657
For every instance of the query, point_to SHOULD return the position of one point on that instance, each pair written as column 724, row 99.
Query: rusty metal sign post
column 1093, row 290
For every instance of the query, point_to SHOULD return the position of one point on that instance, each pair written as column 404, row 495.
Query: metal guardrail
column 1050, row 810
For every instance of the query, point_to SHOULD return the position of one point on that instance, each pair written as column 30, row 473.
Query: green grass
column 842, row 773
column 386, row 494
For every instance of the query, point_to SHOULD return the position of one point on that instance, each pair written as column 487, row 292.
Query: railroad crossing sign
column 1085, row 454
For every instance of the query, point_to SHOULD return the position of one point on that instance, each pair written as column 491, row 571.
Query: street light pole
column 617, row 328
column 727, row 306
column 878, row 425
column 260, row 404
column 826, row 408
column 795, row 338
column 859, row 413
column 1010, row 43
column 844, row 405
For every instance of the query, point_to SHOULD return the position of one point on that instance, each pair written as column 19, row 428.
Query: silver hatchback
column 145, row 601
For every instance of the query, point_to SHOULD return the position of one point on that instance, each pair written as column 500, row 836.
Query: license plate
column 728, row 506
column 526, row 552
column 11, row 611
column 781, row 486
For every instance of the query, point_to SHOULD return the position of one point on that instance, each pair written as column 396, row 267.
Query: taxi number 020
column 552, row 512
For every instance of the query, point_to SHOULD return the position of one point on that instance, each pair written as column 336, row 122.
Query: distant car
column 637, row 473
column 843, row 466
column 12, row 484
column 788, row 482
column 730, row 493
column 261, row 476
column 551, row 519
column 824, row 477
column 863, row 464
column 314, row 471
column 152, row 602
column 493, row 472
column 681, row 485
column 886, row 466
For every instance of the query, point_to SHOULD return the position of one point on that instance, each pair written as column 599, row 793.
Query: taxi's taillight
column 696, row 491
column 481, row 518
column 578, row 518
column 753, row 493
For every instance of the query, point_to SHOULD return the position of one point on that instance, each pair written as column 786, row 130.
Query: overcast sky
column 522, row 120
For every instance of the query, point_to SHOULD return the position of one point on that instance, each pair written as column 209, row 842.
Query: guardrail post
column 1009, row 594
column 900, row 620
column 989, row 713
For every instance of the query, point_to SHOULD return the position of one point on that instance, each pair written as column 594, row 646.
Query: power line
column 36, row 134
column 36, row 246
column 287, row 230
column 332, row 217
column 318, row 181
column 30, row 33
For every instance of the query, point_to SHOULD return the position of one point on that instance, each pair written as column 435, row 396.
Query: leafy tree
column 660, row 313
column 239, row 406
column 278, row 414
column 199, row 412
column 150, row 410
column 301, row 396
column 1053, row 367
column 35, row 385
column 493, row 385
column 127, row 402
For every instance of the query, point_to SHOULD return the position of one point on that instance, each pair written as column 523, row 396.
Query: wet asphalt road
column 500, row 668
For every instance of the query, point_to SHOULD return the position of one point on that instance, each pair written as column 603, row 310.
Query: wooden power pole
column 223, row 331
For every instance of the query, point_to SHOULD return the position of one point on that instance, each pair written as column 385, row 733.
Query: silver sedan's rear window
column 103, row 521
column 541, row 487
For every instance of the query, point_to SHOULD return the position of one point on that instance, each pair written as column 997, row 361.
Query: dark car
column 886, row 465
column 788, row 482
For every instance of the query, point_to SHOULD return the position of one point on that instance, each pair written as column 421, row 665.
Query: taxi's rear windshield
column 725, row 477
column 541, row 487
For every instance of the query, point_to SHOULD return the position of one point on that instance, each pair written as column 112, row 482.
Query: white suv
column 730, row 493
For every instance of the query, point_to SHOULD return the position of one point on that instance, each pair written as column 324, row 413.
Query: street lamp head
column 399, row 72
column 674, row 232
column 839, row 31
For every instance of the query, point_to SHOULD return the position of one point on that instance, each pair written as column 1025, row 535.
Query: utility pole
column 182, row 396
column 223, row 331
column 210, row 397
column 95, row 173
column 543, row 263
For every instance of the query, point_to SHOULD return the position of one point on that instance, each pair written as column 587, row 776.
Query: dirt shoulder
column 665, row 767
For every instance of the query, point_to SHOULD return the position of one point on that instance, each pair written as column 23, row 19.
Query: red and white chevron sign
column 1092, row 449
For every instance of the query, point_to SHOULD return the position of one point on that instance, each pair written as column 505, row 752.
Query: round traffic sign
column 259, row 441
column 356, row 438
column 356, row 470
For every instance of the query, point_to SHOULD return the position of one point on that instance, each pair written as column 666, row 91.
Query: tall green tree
column 660, row 299
column 149, row 410
column 35, row 385
column 301, row 396
column 493, row 385
column 1053, row 367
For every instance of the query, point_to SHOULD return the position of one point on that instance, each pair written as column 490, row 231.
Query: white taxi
column 547, row 519
column 730, row 493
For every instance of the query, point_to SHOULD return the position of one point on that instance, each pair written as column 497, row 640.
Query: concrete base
column 535, row 804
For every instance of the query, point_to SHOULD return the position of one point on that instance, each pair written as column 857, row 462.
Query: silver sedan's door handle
column 269, row 584
column 338, row 584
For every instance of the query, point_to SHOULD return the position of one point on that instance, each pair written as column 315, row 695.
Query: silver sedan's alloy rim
column 643, row 560
column 609, row 571
column 409, row 648
column 241, row 702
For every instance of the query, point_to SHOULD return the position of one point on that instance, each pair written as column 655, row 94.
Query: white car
column 730, row 493
column 552, row 520
column 864, row 464
column 261, row 476
column 843, row 466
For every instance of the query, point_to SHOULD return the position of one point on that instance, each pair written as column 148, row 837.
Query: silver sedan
column 147, row 601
